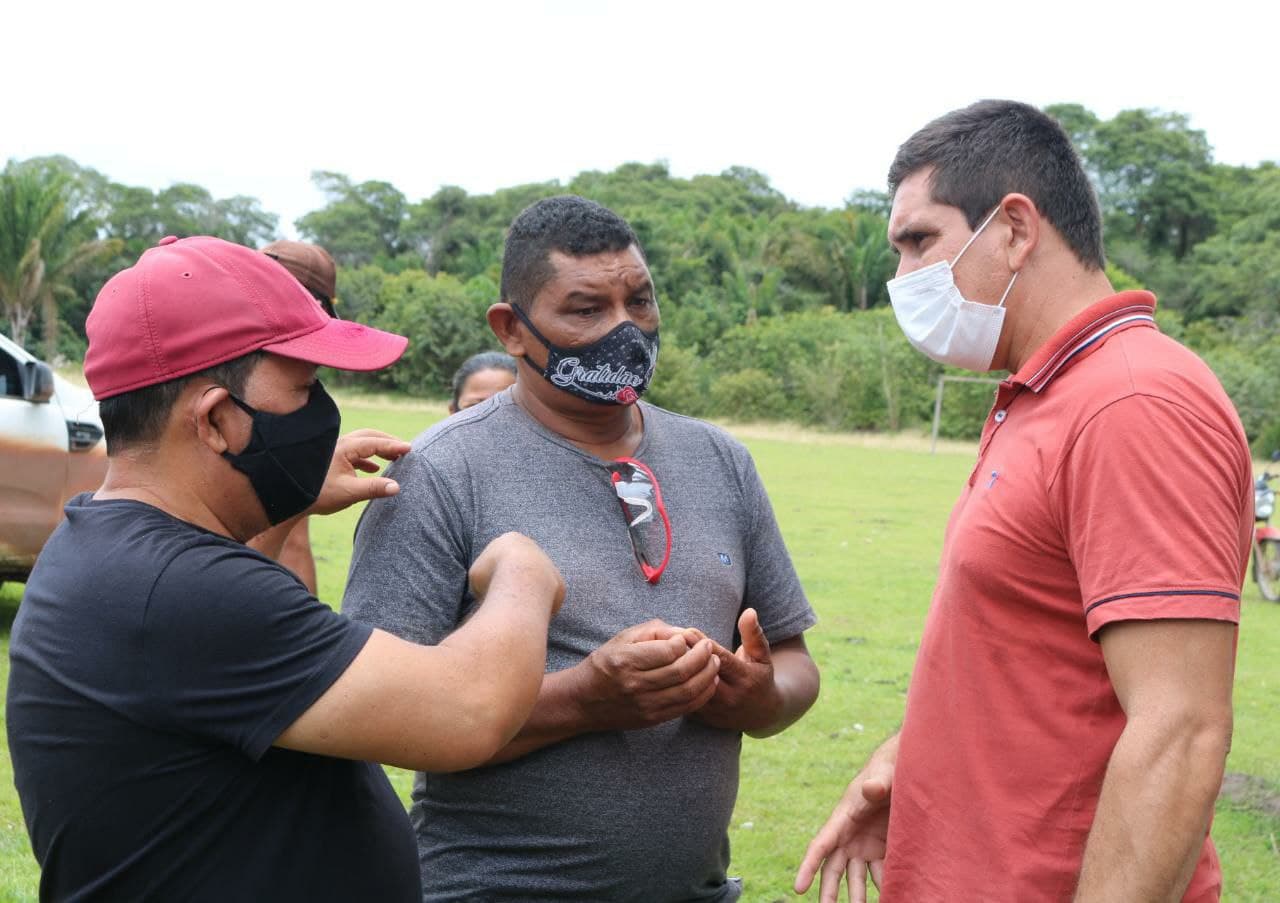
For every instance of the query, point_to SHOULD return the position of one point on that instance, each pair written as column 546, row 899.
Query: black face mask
column 288, row 455
column 613, row 370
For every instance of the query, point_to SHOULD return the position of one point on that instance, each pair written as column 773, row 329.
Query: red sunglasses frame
column 651, row 573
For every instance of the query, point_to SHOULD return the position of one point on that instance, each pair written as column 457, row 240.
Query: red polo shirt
column 1113, row 483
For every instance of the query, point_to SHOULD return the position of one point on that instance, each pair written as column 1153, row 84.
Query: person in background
column 312, row 266
column 481, row 376
column 1069, row 715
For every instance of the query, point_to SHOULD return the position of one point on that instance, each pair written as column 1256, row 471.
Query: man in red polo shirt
column 1070, row 712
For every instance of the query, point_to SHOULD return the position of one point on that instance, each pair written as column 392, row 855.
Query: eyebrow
column 587, row 295
column 911, row 230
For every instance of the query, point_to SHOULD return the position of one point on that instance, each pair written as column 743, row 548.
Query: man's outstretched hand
column 852, row 842
column 344, row 487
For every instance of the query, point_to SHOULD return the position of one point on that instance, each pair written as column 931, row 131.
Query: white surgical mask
column 942, row 323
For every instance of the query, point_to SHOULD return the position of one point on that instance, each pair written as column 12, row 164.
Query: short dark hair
column 568, row 224
column 991, row 148
column 139, row 417
column 478, row 363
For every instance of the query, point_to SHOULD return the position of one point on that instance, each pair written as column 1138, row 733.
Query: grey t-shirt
column 619, row 815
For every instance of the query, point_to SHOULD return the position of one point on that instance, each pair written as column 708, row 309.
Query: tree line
column 771, row 310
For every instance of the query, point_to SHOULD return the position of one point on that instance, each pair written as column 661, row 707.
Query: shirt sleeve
column 412, row 552
column 1155, row 507
column 236, row 649
column 773, row 589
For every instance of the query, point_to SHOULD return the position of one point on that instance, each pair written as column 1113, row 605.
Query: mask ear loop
column 524, row 318
column 1007, row 289
column 974, row 236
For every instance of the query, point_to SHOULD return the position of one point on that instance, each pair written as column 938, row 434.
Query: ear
column 211, row 412
column 506, row 327
column 1025, row 222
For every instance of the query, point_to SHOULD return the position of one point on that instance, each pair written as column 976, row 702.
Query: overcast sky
column 250, row 98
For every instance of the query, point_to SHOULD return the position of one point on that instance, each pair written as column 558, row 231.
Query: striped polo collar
column 1086, row 330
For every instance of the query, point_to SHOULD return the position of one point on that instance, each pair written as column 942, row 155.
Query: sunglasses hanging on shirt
column 647, row 523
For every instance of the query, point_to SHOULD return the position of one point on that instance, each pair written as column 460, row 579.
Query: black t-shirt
column 153, row 664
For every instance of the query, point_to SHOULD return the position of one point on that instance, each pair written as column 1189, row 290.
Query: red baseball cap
column 193, row 303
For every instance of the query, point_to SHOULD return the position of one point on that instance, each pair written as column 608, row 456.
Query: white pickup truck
column 51, row 448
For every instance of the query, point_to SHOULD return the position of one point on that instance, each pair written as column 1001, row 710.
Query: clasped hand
column 647, row 674
column 654, row 672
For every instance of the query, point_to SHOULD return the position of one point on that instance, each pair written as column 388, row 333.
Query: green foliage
column 1268, row 441
column 1120, row 280
column 821, row 367
column 1172, row 324
column 681, row 382
column 1238, row 270
column 130, row 219
column 1249, row 368
column 360, row 293
column 747, row 278
column 445, row 323
column 750, row 394
column 965, row 408
column 1155, row 177
column 43, row 246
column 1244, row 353
column 361, row 224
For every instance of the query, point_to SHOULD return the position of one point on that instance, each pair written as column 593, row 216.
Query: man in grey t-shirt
column 621, row 784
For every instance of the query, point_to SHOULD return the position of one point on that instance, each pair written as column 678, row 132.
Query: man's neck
column 1044, row 311
column 612, row 432
column 138, row 477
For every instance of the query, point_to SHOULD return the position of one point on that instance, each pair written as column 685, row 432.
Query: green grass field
column 863, row 520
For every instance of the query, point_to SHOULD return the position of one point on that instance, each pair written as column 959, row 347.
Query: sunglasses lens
column 645, row 520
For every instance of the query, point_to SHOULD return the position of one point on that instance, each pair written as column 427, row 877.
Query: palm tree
column 865, row 254
column 42, row 247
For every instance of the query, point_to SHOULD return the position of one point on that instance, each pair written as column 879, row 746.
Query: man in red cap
column 186, row 721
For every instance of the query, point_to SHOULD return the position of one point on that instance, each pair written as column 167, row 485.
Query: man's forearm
column 506, row 643
column 556, row 716
column 1154, row 812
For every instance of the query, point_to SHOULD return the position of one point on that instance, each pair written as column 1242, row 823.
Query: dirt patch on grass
column 1253, row 792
